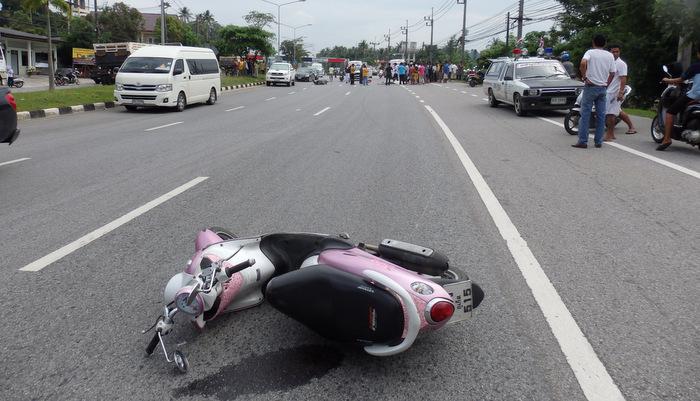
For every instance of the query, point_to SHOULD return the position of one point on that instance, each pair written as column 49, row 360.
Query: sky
column 347, row 22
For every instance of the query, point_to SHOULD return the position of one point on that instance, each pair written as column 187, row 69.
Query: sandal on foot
column 631, row 132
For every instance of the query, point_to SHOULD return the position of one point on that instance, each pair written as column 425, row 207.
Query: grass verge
column 641, row 112
column 28, row 101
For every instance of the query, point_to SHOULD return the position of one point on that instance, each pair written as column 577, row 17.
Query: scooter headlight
column 194, row 308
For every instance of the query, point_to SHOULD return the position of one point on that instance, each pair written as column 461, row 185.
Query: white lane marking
column 86, row 239
column 322, row 111
column 474, row 96
column 236, row 108
column 594, row 379
column 340, row 84
column 655, row 159
column 15, row 161
column 271, row 98
column 417, row 97
column 163, row 126
column 437, row 85
column 291, row 93
column 422, row 101
column 485, row 99
column 454, row 90
column 298, row 109
column 347, row 93
column 464, row 92
column 303, row 89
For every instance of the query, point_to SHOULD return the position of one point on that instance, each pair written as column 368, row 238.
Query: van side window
column 179, row 65
column 495, row 70
column 193, row 67
column 208, row 66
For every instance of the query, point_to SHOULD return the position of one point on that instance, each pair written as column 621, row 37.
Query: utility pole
column 429, row 22
column 464, row 26
column 388, row 45
column 97, row 29
column 507, row 29
column 520, row 19
column 162, row 22
column 404, row 29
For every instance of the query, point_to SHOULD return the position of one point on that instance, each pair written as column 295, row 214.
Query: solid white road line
column 322, row 111
column 86, row 239
column 655, row 159
column 271, row 98
column 236, row 108
column 163, row 126
column 347, row 93
column 594, row 379
column 15, row 161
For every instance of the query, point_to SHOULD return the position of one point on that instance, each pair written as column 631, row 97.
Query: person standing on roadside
column 615, row 95
column 597, row 71
column 387, row 74
column 10, row 76
column 421, row 74
column 365, row 74
column 446, row 72
column 352, row 74
column 402, row 73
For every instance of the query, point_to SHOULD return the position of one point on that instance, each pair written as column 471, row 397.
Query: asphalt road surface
column 589, row 258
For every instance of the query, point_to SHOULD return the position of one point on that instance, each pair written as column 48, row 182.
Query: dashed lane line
column 236, row 108
column 322, row 111
column 291, row 93
column 163, row 126
column 679, row 168
column 347, row 93
column 594, row 379
column 86, row 239
column 15, row 161
column 271, row 98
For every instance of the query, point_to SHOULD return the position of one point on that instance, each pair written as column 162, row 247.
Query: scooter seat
column 287, row 251
column 338, row 305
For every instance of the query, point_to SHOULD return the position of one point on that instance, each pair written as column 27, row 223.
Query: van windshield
column 147, row 65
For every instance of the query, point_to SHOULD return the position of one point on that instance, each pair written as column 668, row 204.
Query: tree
column 33, row 5
column 120, row 23
column 185, row 14
column 208, row 20
column 177, row 31
column 293, row 50
column 237, row 40
column 259, row 19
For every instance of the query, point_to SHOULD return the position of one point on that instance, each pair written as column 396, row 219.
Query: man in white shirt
column 597, row 70
column 615, row 95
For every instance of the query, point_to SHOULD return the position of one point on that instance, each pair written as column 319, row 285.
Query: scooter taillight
column 440, row 311
column 11, row 100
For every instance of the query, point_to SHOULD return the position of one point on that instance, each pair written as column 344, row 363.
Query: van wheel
column 130, row 108
column 212, row 97
column 181, row 102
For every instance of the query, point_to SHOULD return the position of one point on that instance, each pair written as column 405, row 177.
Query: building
column 79, row 8
column 148, row 33
column 24, row 49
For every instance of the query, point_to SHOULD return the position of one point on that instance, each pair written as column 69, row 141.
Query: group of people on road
column 421, row 73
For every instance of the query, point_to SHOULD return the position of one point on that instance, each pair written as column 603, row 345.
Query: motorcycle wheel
column 657, row 131
column 223, row 233
column 472, row 83
column 571, row 122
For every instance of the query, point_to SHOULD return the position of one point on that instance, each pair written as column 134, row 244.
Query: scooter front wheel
column 571, row 122
column 657, row 131
column 181, row 361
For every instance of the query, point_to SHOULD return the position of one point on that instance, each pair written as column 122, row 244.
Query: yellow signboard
column 83, row 53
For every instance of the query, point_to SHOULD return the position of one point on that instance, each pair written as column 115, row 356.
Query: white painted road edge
column 594, row 379
column 86, row 239
column 236, row 108
column 635, row 152
column 322, row 111
column 163, row 126
column 15, row 161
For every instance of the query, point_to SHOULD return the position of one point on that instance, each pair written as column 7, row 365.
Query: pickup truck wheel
column 268, row 83
column 181, row 102
column 518, row 105
column 492, row 99
column 130, row 108
column 212, row 97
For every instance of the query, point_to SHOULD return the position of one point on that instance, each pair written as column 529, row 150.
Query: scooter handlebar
column 153, row 344
column 236, row 268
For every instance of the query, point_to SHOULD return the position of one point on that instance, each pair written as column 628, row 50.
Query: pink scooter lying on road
column 382, row 296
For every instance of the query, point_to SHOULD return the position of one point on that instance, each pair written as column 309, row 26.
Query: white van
column 3, row 66
column 168, row 76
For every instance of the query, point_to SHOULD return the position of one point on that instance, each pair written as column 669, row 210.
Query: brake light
column 441, row 311
column 11, row 100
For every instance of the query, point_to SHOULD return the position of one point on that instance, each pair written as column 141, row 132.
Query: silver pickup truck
column 530, row 84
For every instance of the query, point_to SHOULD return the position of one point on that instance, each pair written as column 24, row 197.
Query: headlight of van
column 164, row 87
column 118, row 86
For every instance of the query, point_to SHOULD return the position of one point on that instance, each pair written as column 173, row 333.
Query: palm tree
column 208, row 20
column 185, row 14
column 34, row 5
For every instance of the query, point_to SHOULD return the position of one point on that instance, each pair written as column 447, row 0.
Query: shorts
column 679, row 105
column 613, row 106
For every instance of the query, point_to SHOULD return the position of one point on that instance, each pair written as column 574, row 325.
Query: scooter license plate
column 461, row 293
column 558, row 100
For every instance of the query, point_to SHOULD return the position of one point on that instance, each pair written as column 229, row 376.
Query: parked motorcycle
column 381, row 297
column 573, row 117
column 686, row 124
column 474, row 79
column 16, row 83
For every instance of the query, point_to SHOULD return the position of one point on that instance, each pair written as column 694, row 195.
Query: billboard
column 83, row 56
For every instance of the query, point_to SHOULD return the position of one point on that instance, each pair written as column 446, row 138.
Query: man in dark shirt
column 693, row 72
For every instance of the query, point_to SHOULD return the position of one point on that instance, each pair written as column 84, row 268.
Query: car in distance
column 280, row 73
column 305, row 74
column 530, row 84
column 8, row 117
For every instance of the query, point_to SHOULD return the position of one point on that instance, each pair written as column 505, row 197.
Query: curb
column 59, row 111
